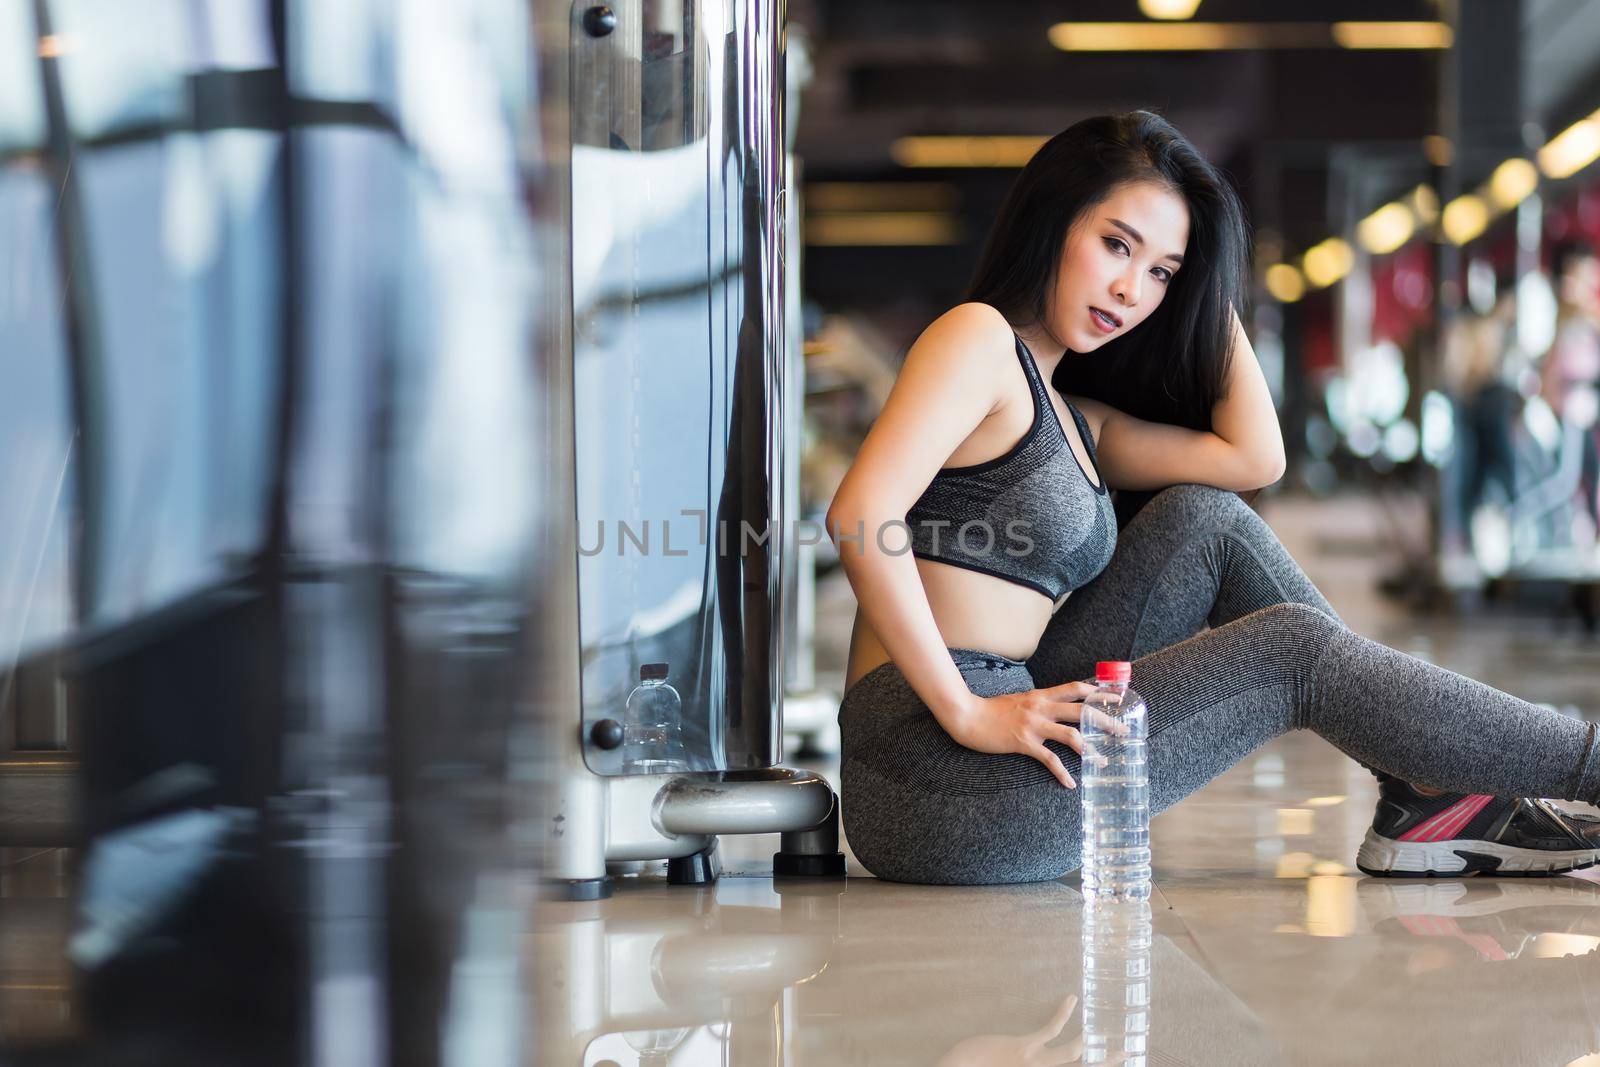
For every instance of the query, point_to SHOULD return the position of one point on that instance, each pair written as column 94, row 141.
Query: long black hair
column 1172, row 367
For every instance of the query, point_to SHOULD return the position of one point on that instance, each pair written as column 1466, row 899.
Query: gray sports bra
column 1031, row 516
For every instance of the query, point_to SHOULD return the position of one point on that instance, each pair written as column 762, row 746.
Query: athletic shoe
column 1417, row 836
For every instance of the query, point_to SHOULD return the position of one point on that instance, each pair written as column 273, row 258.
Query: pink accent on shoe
column 1448, row 822
column 1446, row 926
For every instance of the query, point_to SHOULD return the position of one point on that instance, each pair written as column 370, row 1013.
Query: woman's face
column 1118, row 260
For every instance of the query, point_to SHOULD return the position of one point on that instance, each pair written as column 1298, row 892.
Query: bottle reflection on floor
column 1116, row 982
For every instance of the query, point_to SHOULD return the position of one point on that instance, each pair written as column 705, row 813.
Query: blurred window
column 36, row 439
column 353, row 179
column 21, row 109
column 232, row 35
column 183, row 242
column 344, row 51
column 122, row 64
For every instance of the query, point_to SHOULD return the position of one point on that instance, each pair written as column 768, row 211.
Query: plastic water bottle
column 1117, row 982
column 1116, row 789
column 653, row 725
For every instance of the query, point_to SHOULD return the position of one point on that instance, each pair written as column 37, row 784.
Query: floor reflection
column 875, row 973
column 662, row 974
column 38, row 1003
column 752, row 972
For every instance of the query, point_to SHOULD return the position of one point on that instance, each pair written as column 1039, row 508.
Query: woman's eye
column 1119, row 246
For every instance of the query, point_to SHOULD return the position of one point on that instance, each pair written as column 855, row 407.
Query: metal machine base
column 678, row 818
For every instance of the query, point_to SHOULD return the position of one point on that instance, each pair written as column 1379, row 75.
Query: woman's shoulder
column 969, row 333
column 977, row 320
column 964, row 356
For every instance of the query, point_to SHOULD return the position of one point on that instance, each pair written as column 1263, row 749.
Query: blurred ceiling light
column 1285, row 283
column 1327, row 262
column 1538, row 309
column 54, row 45
column 1225, row 36
column 1387, row 228
column 1185, row 36
column 998, row 151
column 880, row 196
column 902, row 228
column 1401, row 441
column 1424, row 203
column 1572, row 149
column 1364, row 438
column 1393, row 35
column 1438, row 149
column 1512, row 182
column 1438, row 427
column 1168, row 9
column 1465, row 217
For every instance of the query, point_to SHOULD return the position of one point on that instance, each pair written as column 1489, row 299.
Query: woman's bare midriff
column 972, row 610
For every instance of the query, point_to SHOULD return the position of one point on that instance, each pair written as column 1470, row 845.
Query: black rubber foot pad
column 796, row 865
column 578, row 889
column 701, row 868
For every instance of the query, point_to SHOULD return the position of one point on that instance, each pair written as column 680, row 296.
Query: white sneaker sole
column 1385, row 857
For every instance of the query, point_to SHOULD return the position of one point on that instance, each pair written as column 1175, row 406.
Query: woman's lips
column 1104, row 321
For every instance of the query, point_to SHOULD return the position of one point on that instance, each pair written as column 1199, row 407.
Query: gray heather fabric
column 1031, row 516
column 1192, row 557
column 919, row 807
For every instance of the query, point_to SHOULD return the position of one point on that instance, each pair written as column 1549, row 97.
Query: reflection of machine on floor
column 673, row 412
column 645, row 976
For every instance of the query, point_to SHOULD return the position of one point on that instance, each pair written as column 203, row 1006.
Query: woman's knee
column 1290, row 633
column 1190, row 504
column 1297, row 620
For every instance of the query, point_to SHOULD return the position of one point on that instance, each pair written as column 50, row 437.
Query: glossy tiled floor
column 36, row 900
column 1264, row 945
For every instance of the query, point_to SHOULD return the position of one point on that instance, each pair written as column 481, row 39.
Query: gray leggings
column 918, row 807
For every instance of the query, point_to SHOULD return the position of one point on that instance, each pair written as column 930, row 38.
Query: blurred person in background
column 1487, row 407
column 1120, row 246
column 1571, row 369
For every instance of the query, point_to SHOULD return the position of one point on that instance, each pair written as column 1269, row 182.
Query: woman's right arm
column 950, row 382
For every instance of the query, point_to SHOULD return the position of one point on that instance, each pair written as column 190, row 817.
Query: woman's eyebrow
column 1139, row 237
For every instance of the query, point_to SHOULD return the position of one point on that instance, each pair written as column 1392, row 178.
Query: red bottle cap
column 1113, row 670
